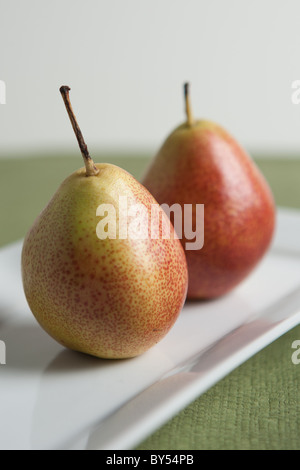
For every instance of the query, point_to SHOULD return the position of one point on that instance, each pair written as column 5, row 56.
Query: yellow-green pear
column 96, row 276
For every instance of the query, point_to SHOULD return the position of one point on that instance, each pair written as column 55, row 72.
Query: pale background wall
column 126, row 61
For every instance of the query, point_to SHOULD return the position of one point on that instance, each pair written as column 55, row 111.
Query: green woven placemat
column 254, row 407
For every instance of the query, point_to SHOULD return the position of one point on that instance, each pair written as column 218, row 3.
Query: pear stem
column 91, row 169
column 188, row 110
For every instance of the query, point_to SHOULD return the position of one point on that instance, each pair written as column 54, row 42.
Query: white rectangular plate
column 53, row 398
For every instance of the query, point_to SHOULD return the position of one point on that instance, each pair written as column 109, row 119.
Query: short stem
column 189, row 114
column 91, row 169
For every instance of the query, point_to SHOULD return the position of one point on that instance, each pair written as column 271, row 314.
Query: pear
column 201, row 163
column 93, row 288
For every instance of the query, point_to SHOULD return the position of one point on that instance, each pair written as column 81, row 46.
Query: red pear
column 201, row 163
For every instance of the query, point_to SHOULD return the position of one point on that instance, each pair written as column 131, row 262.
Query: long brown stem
column 91, row 169
column 188, row 110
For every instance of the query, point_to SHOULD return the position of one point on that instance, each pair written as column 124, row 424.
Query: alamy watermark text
column 296, row 354
column 137, row 222
column 2, row 92
column 2, row 353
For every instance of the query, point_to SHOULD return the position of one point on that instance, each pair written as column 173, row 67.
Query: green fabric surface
column 257, row 406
